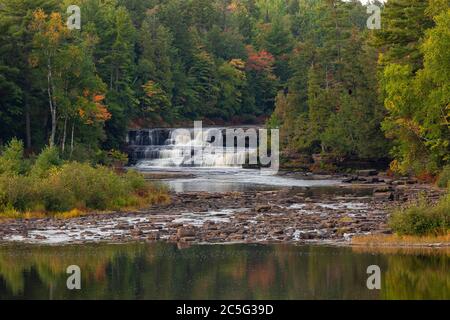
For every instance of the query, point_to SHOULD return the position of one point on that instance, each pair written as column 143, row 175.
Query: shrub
column 92, row 188
column 422, row 218
column 114, row 158
column 11, row 159
column 48, row 159
column 18, row 192
column 54, row 186
column 444, row 178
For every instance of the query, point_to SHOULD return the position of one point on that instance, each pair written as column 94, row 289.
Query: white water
column 215, row 168
column 166, row 148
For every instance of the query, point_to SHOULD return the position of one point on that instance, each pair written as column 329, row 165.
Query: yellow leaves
column 33, row 61
column 49, row 30
column 395, row 166
column 411, row 125
column 151, row 88
column 238, row 64
column 447, row 117
column 39, row 18
column 232, row 7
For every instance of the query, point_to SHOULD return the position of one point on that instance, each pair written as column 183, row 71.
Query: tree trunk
column 27, row 124
column 71, row 140
column 63, row 143
column 50, row 91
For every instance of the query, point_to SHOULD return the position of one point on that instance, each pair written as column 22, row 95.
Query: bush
column 444, row 178
column 18, row 192
column 114, row 158
column 11, row 159
column 54, row 186
column 422, row 218
column 48, row 159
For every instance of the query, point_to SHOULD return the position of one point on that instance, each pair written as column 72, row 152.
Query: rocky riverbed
column 290, row 215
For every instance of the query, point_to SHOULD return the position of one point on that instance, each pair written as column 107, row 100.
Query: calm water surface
column 163, row 271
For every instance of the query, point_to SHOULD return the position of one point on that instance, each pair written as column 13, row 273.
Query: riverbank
column 327, row 215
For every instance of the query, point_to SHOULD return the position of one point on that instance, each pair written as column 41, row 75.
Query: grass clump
column 422, row 218
column 50, row 186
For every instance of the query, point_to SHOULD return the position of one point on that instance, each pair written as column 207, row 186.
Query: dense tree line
column 362, row 93
column 311, row 66
column 134, row 63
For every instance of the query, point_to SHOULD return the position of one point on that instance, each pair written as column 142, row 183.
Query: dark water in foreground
column 162, row 271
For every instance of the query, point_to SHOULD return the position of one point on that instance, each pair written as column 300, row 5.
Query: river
column 161, row 270
column 164, row 271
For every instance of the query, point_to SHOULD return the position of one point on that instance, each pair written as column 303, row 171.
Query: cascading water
column 165, row 148
column 213, row 164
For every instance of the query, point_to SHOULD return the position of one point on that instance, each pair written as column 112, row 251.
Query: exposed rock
column 288, row 215
column 153, row 236
column 367, row 173
column 263, row 208
column 185, row 232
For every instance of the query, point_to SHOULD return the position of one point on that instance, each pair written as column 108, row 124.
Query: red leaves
column 259, row 61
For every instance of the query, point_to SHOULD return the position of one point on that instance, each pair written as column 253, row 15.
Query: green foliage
column 114, row 158
column 47, row 159
column 404, row 24
column 332, row 106
column 422, row 218
column 418, row 103
column 54, row 186
column 12, row 158
column 74, row 185
column 444, row 178
column 153, row 63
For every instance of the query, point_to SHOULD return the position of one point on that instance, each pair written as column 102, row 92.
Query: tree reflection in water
column 162, row 271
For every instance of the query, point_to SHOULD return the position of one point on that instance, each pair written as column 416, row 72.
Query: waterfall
column 208, row 147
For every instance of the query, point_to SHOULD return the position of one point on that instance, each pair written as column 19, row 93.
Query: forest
column 309, row 67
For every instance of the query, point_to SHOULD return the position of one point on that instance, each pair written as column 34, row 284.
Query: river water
column 164, row 271
column 244, row 271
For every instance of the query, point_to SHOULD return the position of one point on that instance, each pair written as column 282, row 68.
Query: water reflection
column 162, row 271
column 234, row 179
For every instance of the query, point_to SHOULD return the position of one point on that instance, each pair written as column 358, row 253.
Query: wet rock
column 188, row 239
column 383, row 189
column 185, row 232
column 263, row 208
column 387, row 196
column 277, row 232
column 136, row 232
column 350, row 179
column 367, row 173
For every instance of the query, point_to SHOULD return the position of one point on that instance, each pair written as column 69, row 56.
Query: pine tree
column 21, row 105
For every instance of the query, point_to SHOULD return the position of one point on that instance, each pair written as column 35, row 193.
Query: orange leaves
column 151, row 89
column 39, row 18
column 102, row 113
column 51, row 29
column 233, row 6
column 99, row 98
column 93, row 110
